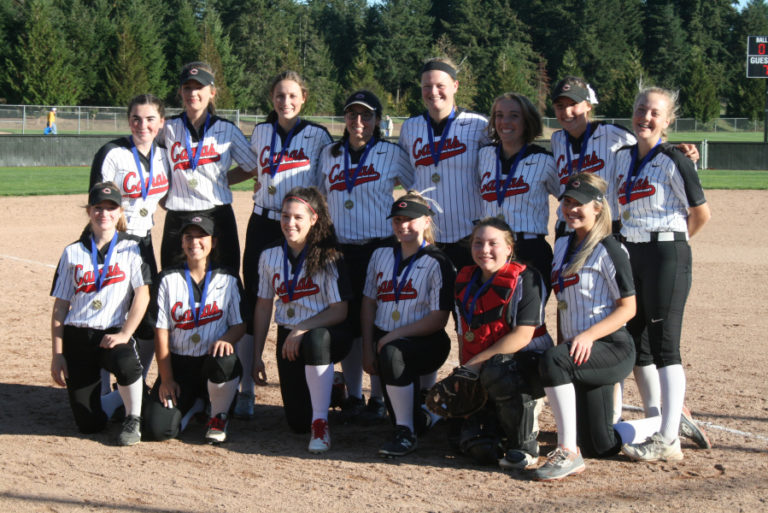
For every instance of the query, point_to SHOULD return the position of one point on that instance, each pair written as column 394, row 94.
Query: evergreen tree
column 515, row 70
column 699, row 97
column 341, row 24
column 144, row 20
column 362, row 75
column 569, row 66
column 627, row 79
column 127, row 76
column 319, row 72
column 216, row 50
column 665, row 48
column 184, row 40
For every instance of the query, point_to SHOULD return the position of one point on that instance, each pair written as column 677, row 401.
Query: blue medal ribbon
column 197, row 310
column 290, row 285
column 350, row 180
column 430, row 135
column 188, row 141
column 467, row 307
column 582, row 152
column 397, row 288
column 99, row 274
column 567, row 257
column 634, row 171
column 501, row 189
column 144, row 188
column 274, row 165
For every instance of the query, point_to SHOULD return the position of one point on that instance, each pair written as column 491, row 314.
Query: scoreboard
column 757, row 56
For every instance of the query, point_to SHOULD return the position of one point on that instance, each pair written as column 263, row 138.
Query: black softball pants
column 260, row 233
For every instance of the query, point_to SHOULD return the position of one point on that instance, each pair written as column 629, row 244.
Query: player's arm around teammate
column 500, row 303
column 198, row 323
column 358, row 176
column 662, row 205
column 101, row 290
column 592, row 279
column 306, row 271
column 407, row 300
column 287, row 149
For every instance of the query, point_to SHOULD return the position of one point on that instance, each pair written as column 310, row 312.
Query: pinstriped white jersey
column 298, row 167
column 526, row 202
column 207, row 186
column 600, row 152
column 371, row 195
column 311, row 295
column 429, row 286
column 114, row 162
column 75, row 282
column 457, row 183
column 661, row 193
column 220, row 311
column 591, row 294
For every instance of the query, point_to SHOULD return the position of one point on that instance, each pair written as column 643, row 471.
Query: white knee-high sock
column 672, row 379
column 618, row 400
column 146, row 349
column 106, row 382
column 197, row 407
column 221, row 395
column 352, row 367
column 376, row 390
column 320, row 383
column 110, row 402
column 427, row 380
column 244, row 350
column 562, row 400
column 402, row 404
column 647, row 379
column 636, row 431
column 131, row 396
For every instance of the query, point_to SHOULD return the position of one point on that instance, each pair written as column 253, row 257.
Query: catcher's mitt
column 459, row 395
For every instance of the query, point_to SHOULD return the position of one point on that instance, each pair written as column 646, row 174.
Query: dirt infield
column 47, row 466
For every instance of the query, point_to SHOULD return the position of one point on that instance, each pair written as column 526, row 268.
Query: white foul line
column 9, row 257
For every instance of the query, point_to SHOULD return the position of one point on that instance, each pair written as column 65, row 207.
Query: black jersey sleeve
column 345, row 286
column 620, row 259
column 448, row 278
column 694, row 192
column 98, row 162
column 529, row 308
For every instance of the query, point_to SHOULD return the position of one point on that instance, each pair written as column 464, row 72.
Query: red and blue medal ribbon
column 467, row 306
column 275, row 164
column 582, row 150
column 100, row 274
column 397, row 288
column 197, row 310
column 188, row 141
column 435, row 152
column 144, row 187
column 290, row 285
column 350, row 180
column 501, row 189
column 634, row 169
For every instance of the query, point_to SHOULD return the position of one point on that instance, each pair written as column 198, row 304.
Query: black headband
column 439, row 66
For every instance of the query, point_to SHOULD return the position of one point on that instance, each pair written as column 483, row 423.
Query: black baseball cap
column 582, row 192
column 568, row 88
column 365, row 98
column 203, row 222
column 104, row 191
column 198, row 75
column 408, row 208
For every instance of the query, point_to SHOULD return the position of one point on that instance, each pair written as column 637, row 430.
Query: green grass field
column 720, row 136
column 39, row 181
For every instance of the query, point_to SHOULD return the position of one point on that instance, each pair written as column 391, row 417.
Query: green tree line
column 102, row 52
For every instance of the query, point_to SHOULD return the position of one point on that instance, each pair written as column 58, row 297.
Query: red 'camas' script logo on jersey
column 293, row 159
column 304, row 287
column 592, row 164
column 569, row 280
column 132, row 185
column 386, row 291
column 185, row 321
column 640, row 189
column 423, row 157
column 488, row 188
column 336, row 176
column 85, row 280
column 181, row 160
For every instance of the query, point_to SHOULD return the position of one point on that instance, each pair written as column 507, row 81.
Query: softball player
column 501, row 337
column 592, row 280
column 662, row 205
column 407, row 300
column 101, row 290
column 201, row 147
column 517, row 178
column 442, row 145
column 358, row 176
column 140, row 169
column 287, row 150
column 306, row 272
column 198, row 323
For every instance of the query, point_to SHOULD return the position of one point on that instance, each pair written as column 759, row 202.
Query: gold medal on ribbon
column 143, row 212
column 562, row 305
column 96, row 304
column 395, row 315
column 469, row 336
column 195, row 338
column 625, row 215
column 192, row 183
column 291, row 312
column 272, row 190
column 349, row 204
column 435, row 178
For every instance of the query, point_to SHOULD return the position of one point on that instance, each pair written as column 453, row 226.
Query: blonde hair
column 417, row 197
column 602, row 227
column 672, row 106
